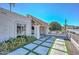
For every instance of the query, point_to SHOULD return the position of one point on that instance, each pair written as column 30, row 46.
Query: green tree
column 54, row 26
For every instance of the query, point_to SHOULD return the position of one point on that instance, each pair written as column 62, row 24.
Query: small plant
column 14, row 43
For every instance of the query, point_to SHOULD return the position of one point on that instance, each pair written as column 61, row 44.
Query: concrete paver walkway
column 38, row 47
column 43, row 46
column 58, row 48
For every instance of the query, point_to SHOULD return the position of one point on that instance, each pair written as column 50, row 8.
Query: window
column 21, row 29
column 32, row 30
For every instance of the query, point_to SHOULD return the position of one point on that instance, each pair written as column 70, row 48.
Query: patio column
column 37, row 31
column 47, row 30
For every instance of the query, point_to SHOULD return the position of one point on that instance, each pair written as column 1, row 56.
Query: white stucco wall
column 8, row 25
column 47, row 30
column 29, row 25
column 5, row 27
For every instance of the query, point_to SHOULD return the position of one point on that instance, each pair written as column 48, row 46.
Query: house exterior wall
column 47, row 30
column 40, row 28
column 44, row 30
column 37, row 31
column 8, row 25
column 9, row 21
column 29, row 26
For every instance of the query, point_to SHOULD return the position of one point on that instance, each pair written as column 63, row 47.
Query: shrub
column 14, row 43
column 31, row 38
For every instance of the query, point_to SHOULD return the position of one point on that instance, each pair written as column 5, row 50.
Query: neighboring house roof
column 38, row 20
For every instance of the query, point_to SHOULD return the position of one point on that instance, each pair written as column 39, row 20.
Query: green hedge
column 14, row 43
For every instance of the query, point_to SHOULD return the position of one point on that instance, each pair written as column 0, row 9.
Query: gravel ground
column 71, row 48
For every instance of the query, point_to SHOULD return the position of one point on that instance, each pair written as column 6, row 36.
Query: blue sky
column 49, row 12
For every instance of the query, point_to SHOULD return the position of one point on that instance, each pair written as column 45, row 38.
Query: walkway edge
column 51, row 46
